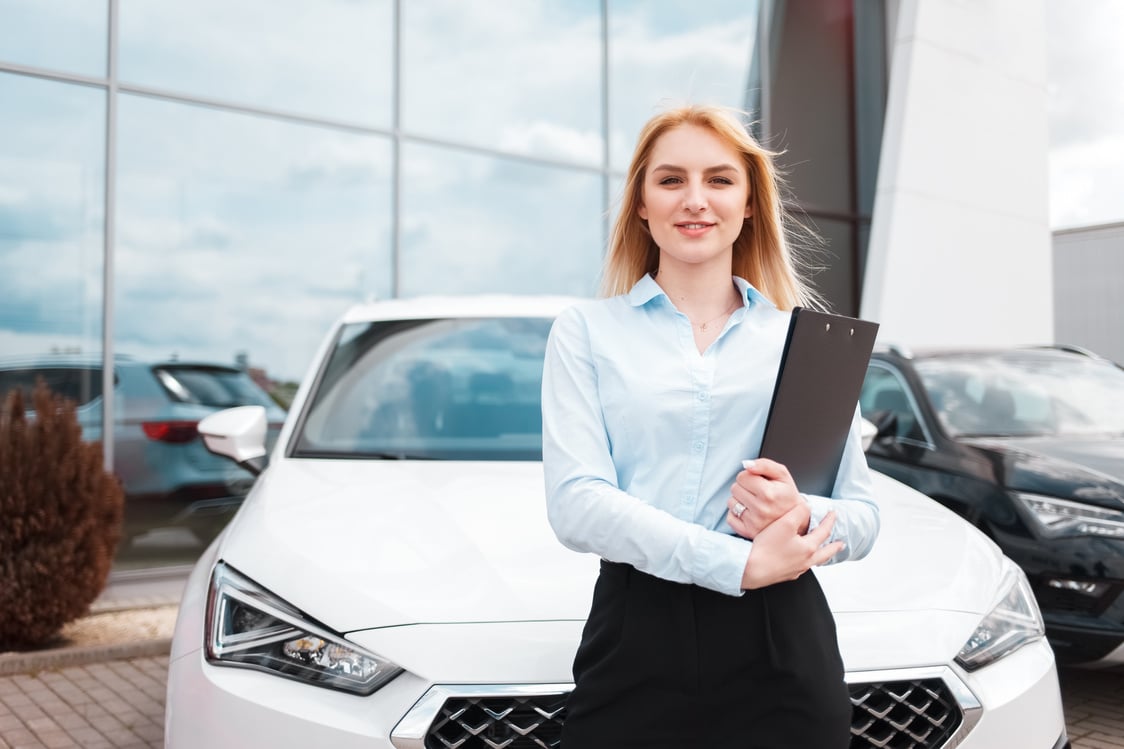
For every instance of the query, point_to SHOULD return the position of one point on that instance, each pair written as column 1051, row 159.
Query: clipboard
column 821, row 374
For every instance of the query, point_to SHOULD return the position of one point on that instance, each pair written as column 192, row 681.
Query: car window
column 220, row 387
column 437, row 389
column 883, row 393
column 1025, row 393
column 79, row 384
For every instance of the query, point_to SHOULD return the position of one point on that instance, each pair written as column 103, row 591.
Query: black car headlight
column 1013, row 622
column 1063, row 517
column 249, row 627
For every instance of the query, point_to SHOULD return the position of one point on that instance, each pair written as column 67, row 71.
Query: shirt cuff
column 720, row 563
column 819, row 507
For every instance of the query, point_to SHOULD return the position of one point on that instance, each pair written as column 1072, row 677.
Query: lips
column 693, row 228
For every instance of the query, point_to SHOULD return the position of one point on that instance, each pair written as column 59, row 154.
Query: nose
column 694, row 201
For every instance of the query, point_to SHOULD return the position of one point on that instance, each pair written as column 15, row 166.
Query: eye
column 670, row 181
column 723, row 180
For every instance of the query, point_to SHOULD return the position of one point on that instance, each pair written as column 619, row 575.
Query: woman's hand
column 782, row 552
column 766, row 491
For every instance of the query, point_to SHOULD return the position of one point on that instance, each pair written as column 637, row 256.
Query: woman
column 704, row 630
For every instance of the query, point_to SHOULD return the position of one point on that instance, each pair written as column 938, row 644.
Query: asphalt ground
column 112, row 697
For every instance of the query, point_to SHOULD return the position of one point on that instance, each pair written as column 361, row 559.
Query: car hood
column 368, row 544
column 1083, row 468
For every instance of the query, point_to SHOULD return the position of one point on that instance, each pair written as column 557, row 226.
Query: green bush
column 60, row 519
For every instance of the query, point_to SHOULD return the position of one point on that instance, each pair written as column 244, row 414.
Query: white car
column 392, row 581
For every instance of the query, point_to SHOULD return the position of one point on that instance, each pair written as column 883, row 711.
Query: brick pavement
column 112, row 705
column 1094, row 708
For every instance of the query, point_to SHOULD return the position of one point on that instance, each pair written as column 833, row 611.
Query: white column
column 960, row 238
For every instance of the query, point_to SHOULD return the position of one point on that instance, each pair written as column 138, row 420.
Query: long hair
column 762, row 252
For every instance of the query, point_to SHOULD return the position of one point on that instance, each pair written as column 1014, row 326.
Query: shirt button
column 698, row 446
column 703, row 396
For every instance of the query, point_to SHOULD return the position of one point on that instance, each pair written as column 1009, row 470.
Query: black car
column 1028, row 445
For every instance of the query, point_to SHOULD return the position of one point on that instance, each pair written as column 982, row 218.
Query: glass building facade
column 217, row 182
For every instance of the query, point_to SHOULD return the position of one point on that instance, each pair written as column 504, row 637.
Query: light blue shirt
column 643, row 436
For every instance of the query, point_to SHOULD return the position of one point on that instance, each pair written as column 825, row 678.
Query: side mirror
column 238, row 434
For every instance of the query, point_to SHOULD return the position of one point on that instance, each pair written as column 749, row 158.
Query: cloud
column 330, row 58
column 1085, row 67
column 1086, row 182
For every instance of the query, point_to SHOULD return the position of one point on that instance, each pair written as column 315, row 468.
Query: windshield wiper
column 359, row 455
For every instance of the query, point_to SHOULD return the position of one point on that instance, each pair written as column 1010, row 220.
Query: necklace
column 725, row 313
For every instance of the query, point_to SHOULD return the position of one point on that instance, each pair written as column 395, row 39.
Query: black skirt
column 665, row 664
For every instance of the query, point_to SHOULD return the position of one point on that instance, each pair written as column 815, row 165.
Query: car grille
column 524, row 722
column 903, row 714
column 906, row 714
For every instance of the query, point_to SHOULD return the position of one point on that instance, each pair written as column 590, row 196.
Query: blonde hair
column 762, row 252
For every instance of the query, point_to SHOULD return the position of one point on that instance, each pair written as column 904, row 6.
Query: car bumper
column 1013, row 702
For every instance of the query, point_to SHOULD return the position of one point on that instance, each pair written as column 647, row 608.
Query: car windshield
column 438, row 389
column 220, row 387
column 1025, row 393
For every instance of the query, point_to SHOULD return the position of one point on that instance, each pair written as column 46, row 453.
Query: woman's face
column 695, row 197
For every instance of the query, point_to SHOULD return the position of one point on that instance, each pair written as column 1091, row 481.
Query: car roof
column 938, row 352
column 67, row 361
column 466, row 306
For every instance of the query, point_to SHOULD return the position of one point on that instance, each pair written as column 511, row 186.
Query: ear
column 642, row 211
column 749, row 210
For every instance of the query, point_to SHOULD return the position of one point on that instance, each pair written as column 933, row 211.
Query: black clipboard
column 821, row 374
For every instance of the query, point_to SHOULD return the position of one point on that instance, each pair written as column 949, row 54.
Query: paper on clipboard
column 821, row 374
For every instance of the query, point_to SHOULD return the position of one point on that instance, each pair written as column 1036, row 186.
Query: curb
column 54, row 658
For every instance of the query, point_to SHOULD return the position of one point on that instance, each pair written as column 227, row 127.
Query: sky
column 1085, row 70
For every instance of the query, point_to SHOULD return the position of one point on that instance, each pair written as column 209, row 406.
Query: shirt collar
column 646, row 289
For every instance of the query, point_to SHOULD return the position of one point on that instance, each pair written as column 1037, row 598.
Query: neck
column 700, row 294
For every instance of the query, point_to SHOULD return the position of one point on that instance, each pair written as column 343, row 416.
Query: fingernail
column 747, row 464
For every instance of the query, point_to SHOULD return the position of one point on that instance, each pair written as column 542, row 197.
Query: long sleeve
column 586, row 506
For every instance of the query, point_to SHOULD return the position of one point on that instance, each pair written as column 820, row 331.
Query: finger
column 825, row 553
column 767, row 468
column 750, row 483
column 741, row 494
column 822, row 532
column 740, row 526
column 736, row 506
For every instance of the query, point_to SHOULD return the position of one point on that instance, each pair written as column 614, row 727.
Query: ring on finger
column 737, row 509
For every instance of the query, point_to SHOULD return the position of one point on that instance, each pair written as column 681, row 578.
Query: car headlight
column 250, row 627
column 1014, row 622
column 1061, row 517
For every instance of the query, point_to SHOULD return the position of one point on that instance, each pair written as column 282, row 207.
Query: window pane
column 667, row 52
column 474, row 223
column 241, row 236
column 522, row 77
column 325, row 58
column 67, row 35
column 52, row 205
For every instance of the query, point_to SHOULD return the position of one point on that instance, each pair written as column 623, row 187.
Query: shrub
column 60, row 519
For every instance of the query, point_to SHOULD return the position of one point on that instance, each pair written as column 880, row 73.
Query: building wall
column 960, row 240
column 1088, row 287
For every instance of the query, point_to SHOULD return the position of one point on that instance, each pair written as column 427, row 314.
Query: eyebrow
column 709, row 170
